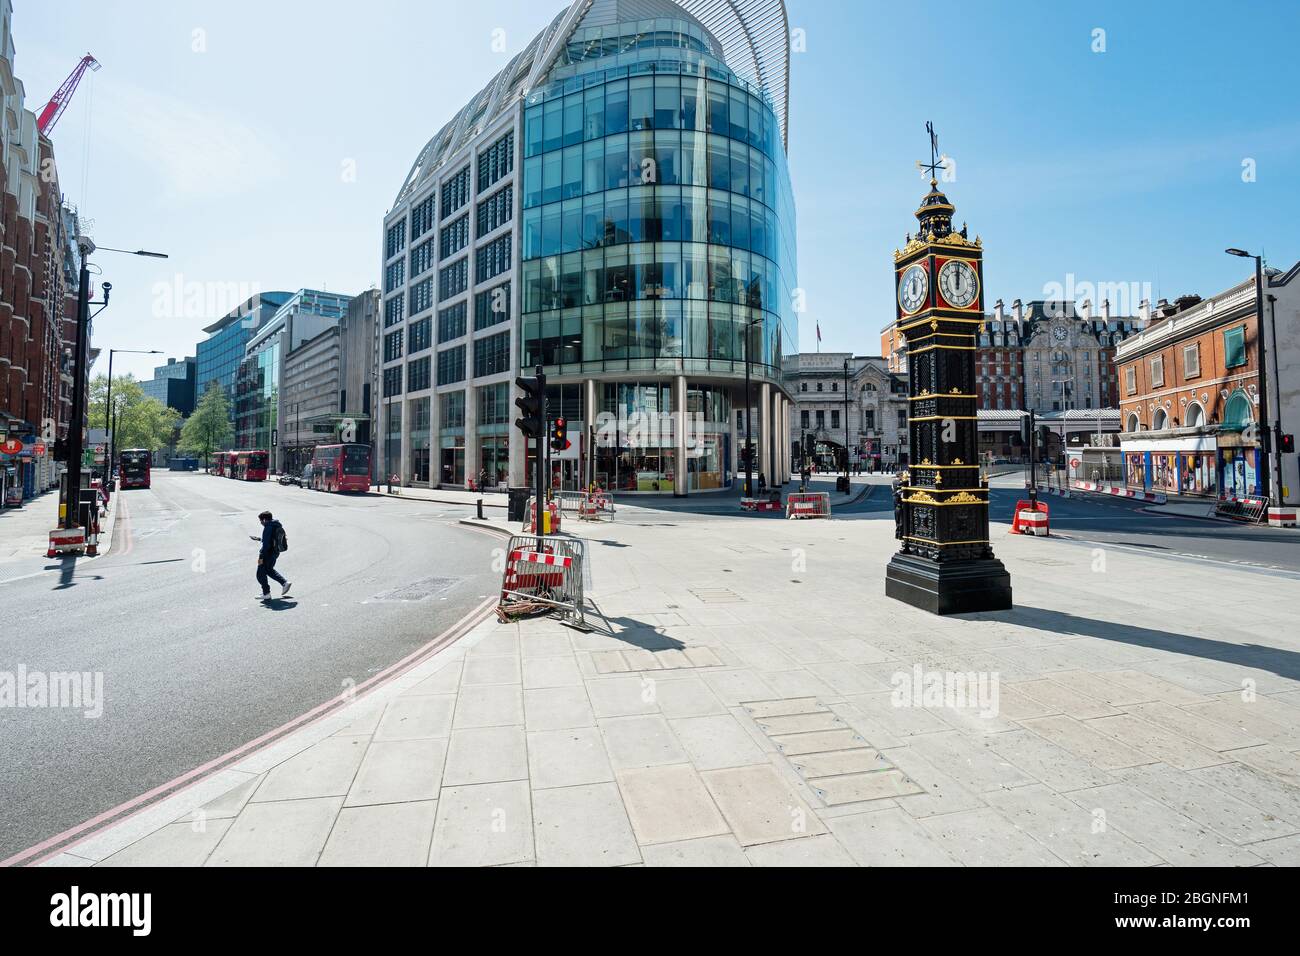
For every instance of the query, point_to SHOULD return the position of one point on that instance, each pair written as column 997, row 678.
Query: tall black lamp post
column 80, row 386
column 846, row 426
column 1266, row 440
column 749, row 435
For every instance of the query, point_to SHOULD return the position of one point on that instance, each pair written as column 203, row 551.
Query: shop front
column 1186, row 465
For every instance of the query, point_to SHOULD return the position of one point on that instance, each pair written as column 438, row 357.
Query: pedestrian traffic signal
column 560, row 435
column 1287, row 444
column 531, row 404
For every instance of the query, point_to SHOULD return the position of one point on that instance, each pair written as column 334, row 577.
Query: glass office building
column 217, row 358
column 629, row 226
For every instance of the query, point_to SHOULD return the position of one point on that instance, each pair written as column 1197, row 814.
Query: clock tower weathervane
column 945, row 563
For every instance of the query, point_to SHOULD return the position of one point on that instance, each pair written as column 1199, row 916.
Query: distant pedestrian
column 274, row 541
column 762, row 484
column 482, row 479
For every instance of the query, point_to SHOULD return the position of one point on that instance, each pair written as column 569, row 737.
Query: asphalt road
column 193, row 664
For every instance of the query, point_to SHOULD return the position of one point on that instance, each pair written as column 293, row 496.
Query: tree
column 209, row 427
column 142, row 421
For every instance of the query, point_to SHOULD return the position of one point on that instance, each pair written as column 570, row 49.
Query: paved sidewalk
column 750, row 697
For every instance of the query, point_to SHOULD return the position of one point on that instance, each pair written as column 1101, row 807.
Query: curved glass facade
column 657, row 216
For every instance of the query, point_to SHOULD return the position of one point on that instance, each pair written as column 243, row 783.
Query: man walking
column 273, row 541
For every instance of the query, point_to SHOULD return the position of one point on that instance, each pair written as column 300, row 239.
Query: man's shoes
column 264, row 597
column 284, row 588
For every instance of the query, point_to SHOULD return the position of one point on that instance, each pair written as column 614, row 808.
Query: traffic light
column 533, row 424
column 60, row 449
column 1044, row 440
column 560, row 435
column 1287, row 444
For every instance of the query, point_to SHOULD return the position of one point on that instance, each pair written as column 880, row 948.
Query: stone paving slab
column 719, row 714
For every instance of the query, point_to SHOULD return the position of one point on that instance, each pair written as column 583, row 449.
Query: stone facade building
column 876, row 410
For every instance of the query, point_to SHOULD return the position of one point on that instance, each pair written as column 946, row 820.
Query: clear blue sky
column 1122, row 166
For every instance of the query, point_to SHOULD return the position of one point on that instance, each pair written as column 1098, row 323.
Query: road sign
column 11, row 446
column 1074, row 463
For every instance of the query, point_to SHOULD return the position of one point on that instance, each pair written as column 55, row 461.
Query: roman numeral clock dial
column 913, row 289
column 959, row 283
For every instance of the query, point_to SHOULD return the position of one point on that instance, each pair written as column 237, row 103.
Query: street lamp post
column 79, row 388
column 1266, row 484
column 108, row 404
column 846, row 425
column 749, row 441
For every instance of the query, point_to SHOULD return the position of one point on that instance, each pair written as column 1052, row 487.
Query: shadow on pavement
column 1283, row 663
column 634, row 632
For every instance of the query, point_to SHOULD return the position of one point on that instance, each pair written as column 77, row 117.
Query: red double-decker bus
column 221, row 463
column 341, row 468
column 134, row 465
column 249, row 465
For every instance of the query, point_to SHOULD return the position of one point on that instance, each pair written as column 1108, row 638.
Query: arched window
column 1134, row 423
column 1238, row 414
column 1160, row 420
column 1195, row 415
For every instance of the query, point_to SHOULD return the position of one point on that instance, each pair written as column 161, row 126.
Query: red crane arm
column 59, row 101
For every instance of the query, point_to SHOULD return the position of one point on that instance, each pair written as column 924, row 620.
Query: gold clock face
column 913, row 289
column 959, row 283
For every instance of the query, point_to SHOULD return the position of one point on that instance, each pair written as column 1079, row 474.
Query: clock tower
column 945, row 563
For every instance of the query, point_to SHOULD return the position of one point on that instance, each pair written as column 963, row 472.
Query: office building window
column 492, row 307
column 454, row 237
column 395, row 309
column 417, row 375
column 494, row 404
column 455, row 192
column 422, row 217
column 492, row 355
column 422, row 258
column 453, row 280
column 396, row 239
column 393, row 346
column 496, row 161
column 451, row 365
column 451, row 323
column 393, row 381
column 493, row 259
column 422, row 296
column 395, row 275
column 418, row 336
column 496, row 210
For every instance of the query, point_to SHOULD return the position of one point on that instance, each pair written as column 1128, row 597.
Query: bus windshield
column 135, row 461
column 356, row 460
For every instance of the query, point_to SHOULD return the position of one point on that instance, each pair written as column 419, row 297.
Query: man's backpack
column 281, row 539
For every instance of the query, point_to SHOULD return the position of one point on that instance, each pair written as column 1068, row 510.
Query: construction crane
column 59, row 101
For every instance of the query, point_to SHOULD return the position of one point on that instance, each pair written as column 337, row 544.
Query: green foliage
column 208, row 429
column 142, row 422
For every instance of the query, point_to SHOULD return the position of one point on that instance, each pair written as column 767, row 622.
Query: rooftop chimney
column 1144, row 310
column 1018, row 311
column 1105, row 310
column 999, row 312
column 1085, row 309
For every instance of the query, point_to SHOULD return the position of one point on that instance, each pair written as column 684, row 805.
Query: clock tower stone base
column 958, row 587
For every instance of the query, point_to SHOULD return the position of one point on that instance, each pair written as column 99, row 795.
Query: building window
column 803, row 386
column 393, row 381
column 453, row 280
column 1234, row 347
column 869, row 419
column 835, row 418
column 418, row 336
column 395, row 275
column 496, row 161
column 493, row 259
column 492, row 355
column 494, row 404
column 451, row 365
column 1130, row 379
column 396, row 239
column 455, row 192
column 454, row 237
column 492, row 307
column 451, row 323
column 1158, row 371
column 496, row 210
column 835, row 386
column 422, row 258
column 422, row 296
column 417, row 375
column 803, row 419
column 821, row 419
column 820, row 386
column 393, row 346
column 395, row 309
column 422, row 218
column 1192, row 360
column 902, row 418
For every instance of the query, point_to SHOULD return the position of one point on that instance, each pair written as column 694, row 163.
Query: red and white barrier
column 1282, row 517
column 815, row 504
column 530, row 522
column 1052, row 490
column 63, row 541
column 1154, row 497
column 1031, row 518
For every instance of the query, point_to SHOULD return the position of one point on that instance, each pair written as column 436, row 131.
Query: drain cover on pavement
column 717, row 595
column 417, row 590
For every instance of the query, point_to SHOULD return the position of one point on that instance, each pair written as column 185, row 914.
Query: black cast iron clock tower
column 945, row 564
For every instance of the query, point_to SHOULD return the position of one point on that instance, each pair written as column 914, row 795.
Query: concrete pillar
column 765, row 431
column 734, row 463
column 784, row 437
column 590, row 422
column 680, row 489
